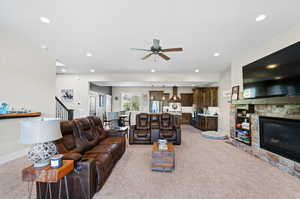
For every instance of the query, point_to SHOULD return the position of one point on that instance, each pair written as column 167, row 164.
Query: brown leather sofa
column 95, row 152
column 151, row 127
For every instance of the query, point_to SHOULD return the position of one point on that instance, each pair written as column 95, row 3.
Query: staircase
column 62, row 111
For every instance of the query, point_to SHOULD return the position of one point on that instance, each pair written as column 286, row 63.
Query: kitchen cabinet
column 206, row 123
column 205, row 97
column 186, row 99
column 186, row 118
column 156, row 95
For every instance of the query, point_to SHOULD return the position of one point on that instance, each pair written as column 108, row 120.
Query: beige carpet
column 205, row 169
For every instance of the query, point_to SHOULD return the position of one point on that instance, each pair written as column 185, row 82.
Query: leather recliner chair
column 141, row 132
column 151, row 127
column 168, row 129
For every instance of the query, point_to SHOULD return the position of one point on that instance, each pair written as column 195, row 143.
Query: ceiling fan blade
column 147, row 56
column 156, row 43
column 165, row 57
column 172, row 50
column 140, row 49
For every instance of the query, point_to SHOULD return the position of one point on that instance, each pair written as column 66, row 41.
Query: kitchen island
column 206, row 122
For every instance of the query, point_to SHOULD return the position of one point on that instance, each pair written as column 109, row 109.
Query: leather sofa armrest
column 86, row 171
column 72, row 156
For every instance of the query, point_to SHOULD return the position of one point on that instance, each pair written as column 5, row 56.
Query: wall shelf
column 271, row 100
column 19, row 115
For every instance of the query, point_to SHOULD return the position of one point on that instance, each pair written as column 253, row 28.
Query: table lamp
column 40, row 133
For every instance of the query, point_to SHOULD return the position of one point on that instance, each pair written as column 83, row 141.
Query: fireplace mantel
column 270, row 101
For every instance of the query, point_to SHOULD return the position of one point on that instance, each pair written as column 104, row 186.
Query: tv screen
column 277, row 74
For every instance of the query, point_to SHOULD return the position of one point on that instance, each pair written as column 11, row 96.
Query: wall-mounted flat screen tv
column 277, row 74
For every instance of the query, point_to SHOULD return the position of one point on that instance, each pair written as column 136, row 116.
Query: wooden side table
column 48, row 175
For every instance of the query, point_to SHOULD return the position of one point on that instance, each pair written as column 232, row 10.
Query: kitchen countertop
column 207, row 115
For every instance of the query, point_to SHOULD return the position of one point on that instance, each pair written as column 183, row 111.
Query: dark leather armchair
column 141, row 132
column 168, row 129
column 151, row 127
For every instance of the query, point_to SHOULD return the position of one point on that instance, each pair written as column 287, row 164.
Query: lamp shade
column 40, row 130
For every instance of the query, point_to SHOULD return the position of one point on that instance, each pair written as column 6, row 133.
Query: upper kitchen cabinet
column 186, row 99
column 156, row 95
column 205, row 97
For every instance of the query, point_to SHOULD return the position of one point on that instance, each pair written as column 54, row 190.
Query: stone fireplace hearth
column 278, row 111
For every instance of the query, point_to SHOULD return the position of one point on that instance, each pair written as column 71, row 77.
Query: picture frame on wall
column 235, row 93
column 67, row 95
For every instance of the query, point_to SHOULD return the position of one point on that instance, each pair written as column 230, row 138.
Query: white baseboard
column 12, row 156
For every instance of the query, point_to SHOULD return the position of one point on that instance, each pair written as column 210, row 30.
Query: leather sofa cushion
column 142, row 132
column 101, row 148
column 103, row 160
column 86, row 133
column 113, row 149
column 168, row 131
column 67, row 133
column 168, row 134
column 166, row 121
column 114, row 139
column 142, row 136
column 98, row 127
column 70, row 142
column 142, row 121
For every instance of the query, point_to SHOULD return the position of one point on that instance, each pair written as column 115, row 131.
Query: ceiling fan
column 156, row 49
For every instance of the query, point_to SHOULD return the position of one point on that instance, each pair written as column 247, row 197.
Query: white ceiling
column 156, row 84
column 109, row 28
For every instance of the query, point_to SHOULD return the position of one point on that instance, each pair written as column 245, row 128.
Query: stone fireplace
column 269, row 125
column 280, row 136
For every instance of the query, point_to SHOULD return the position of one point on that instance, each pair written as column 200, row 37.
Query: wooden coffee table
column 163, row 160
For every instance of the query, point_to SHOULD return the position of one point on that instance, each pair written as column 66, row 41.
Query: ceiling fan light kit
column 156, row 49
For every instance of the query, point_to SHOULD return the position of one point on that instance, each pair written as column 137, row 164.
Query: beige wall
column 224, row 105
column 117, row 92
column 283, row 40
column 80, row 83
column 27, row 79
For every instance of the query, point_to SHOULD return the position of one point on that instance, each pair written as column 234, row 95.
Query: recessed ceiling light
column 44, row 47
column 58, row 63
column 88, row 54
column 152, row 71
column 216, row 54
column 278, row 78
column 272, row 66
column 197, row 70
column 63, row 70
column 261, row 17
column 45, row 20
column 92, row 70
